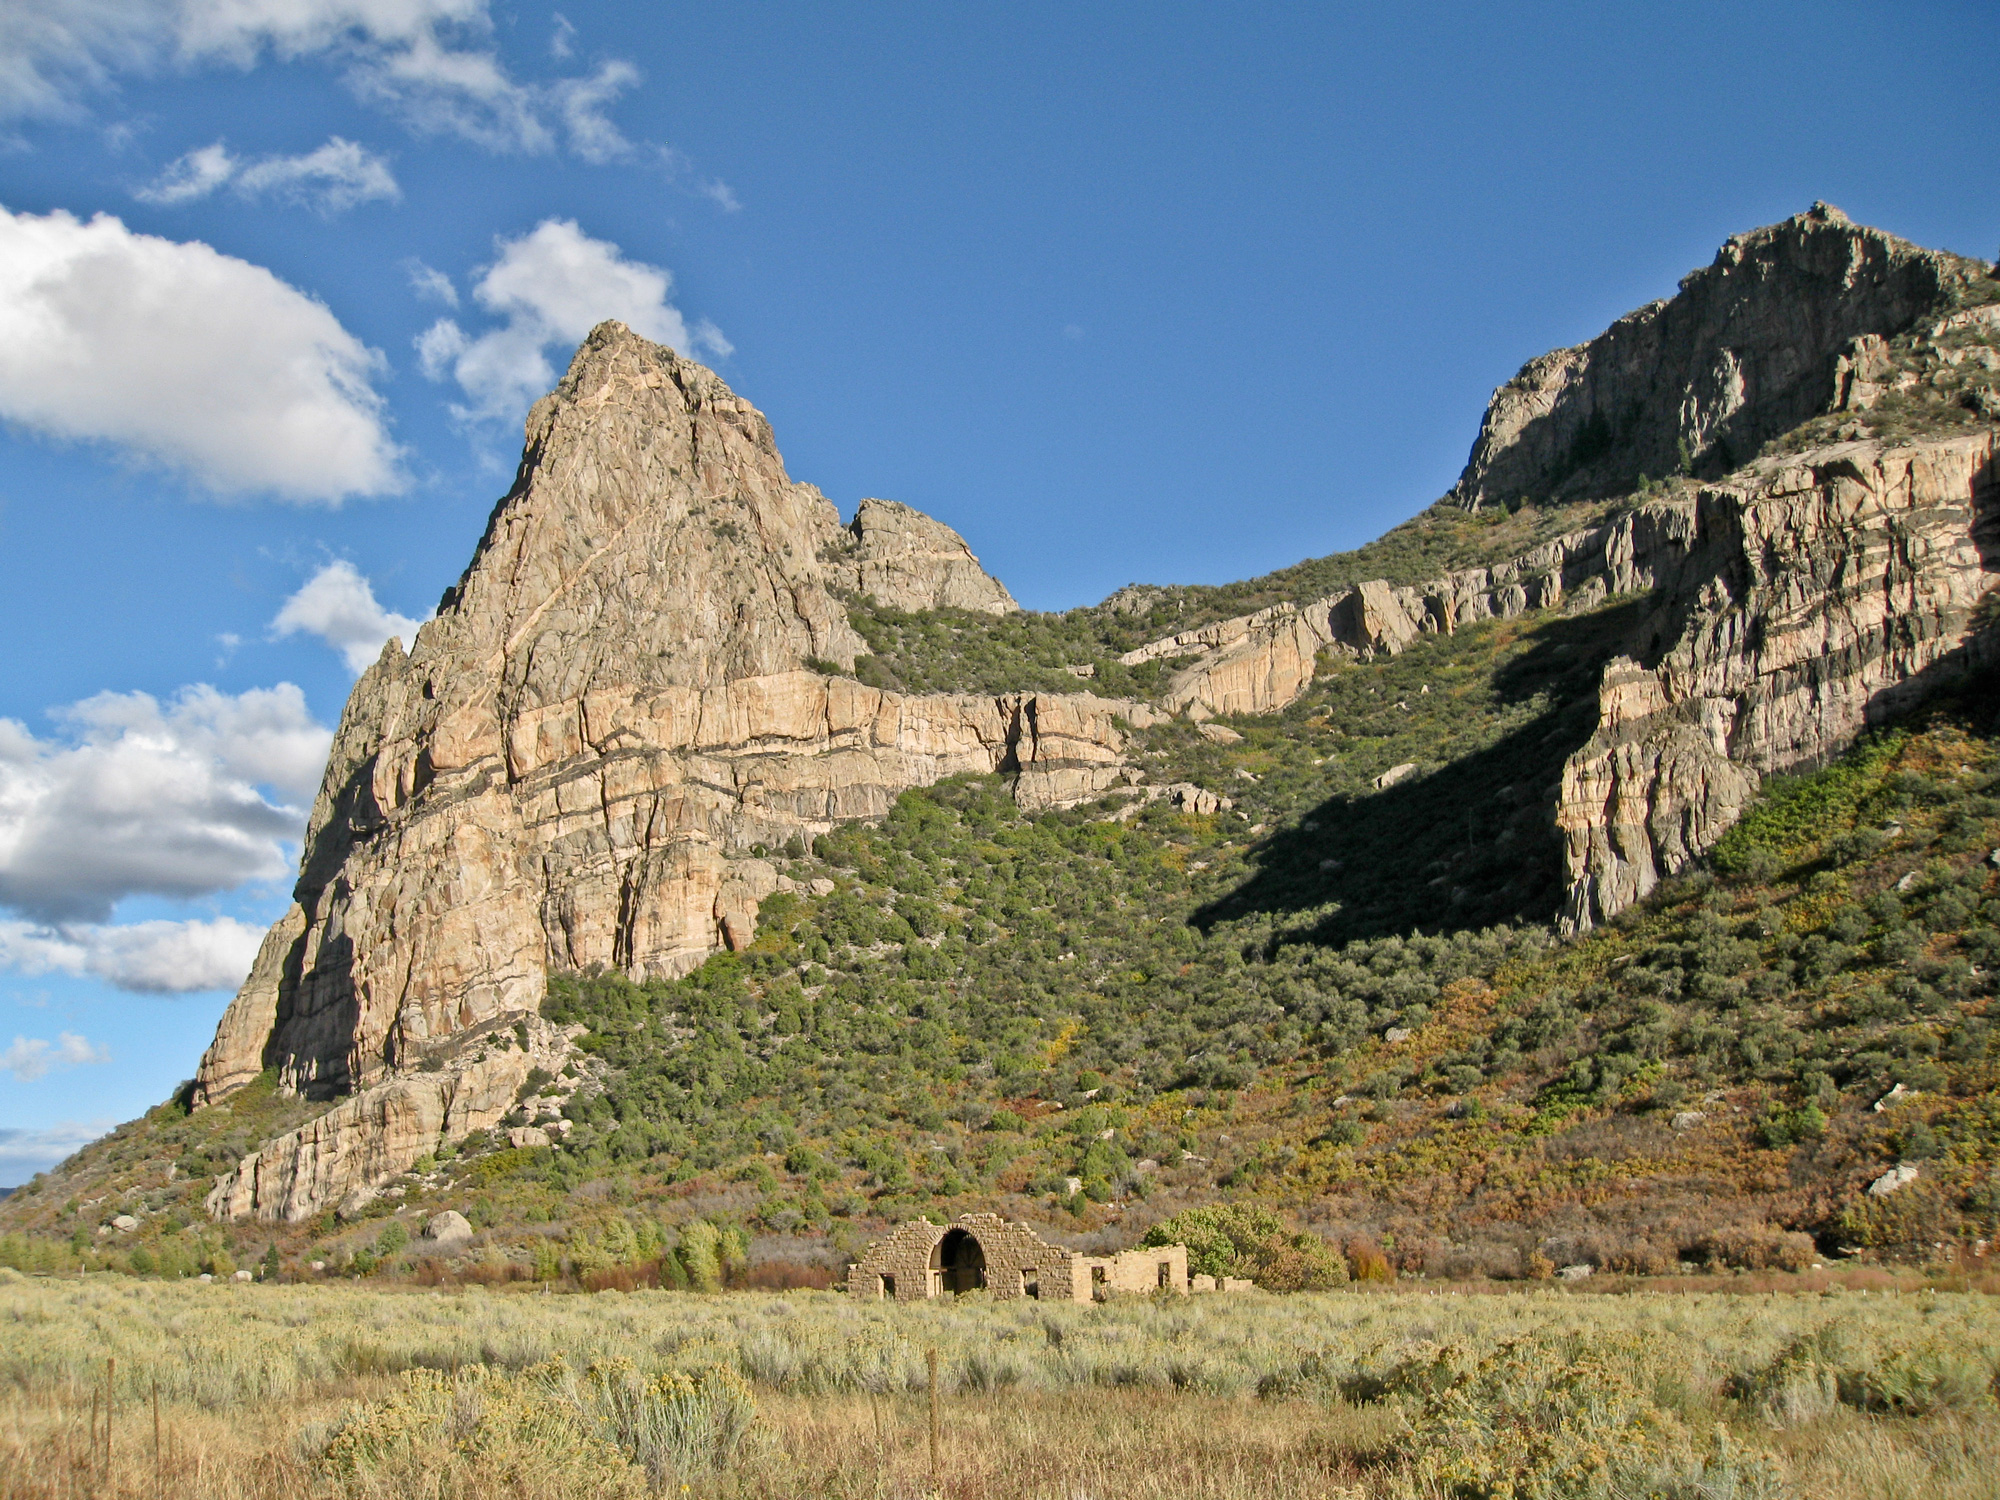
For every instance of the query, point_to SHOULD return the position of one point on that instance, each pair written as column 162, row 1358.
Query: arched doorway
column 958, row 1264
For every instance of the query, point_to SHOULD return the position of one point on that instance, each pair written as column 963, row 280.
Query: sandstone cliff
column 611, row 719
column 1822, row 593
column 340, row 1157
column 905, row 560
column 1747, row 350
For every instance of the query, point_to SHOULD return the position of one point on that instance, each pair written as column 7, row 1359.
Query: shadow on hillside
column 1468, row 845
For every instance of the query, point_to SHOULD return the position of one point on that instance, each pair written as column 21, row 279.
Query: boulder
column 447, row 1232
column 1894, row 1180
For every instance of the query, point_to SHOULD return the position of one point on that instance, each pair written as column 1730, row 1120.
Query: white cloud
column 23, row 1153
column 30, row 1058
column 337, row 176
column 152, row 958
column 192, row 176
column 552, row 285
column 338, row 605
column 185, row 356
column 431, row 284
column 141, row 799
column 679, row 170
column 430, row 61
column 582, row 102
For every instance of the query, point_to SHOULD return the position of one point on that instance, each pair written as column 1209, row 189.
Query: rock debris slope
column 639, row 689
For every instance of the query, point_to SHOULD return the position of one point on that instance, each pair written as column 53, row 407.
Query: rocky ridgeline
column 637, row 691
column 629, row 695
column 1744, row 352
column 1258, row 663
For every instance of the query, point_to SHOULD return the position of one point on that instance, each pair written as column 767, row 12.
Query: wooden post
column 881, row 1446
column 110, row 1369
column 94, row 1398
column 159, row 1468
column 937, row 1470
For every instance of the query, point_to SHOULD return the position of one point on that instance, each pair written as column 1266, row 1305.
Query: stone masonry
column 985, row 1252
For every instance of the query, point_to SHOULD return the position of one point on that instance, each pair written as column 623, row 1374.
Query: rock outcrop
column 634, row 700
column 588, row 753
column 1748, row 349
column 340, row 1157
column 905, row 560
column 1258, row 663
column 1823, row 593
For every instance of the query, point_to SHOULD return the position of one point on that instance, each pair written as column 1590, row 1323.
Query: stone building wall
column 1151, row 1269
column 921, row 1259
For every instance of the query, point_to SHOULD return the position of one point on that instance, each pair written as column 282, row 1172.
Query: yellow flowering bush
column 455, row 1435
column 1532, row 1423
column 610, row 1433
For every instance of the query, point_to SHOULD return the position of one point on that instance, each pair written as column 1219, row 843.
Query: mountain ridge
column 670, row 684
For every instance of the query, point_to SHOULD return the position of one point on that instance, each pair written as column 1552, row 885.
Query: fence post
column 110, row 1369
column 937, row 1469
column 159, row 1469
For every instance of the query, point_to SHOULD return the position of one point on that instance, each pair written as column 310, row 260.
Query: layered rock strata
column 1822, row 594
column 1258, row 663
column 341, row 1156
column 1746, row 350
column 586, row 754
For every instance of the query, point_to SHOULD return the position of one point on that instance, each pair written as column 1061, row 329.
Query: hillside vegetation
column 1338, row 997
column 950, row 651
column 1345, row 1006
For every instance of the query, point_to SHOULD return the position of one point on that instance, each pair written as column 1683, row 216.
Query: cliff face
column 1821, row 594
column 634, row 694
column 580, row 758
column 1748, row 349
column 905, row 560
column 1258, row 663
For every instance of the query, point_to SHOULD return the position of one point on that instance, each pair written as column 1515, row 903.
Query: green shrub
column 1240, row 1239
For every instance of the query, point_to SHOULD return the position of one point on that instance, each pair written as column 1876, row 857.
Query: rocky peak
column 619, row 708
column 652, row 537
column 1747, row 349
column 905, row 560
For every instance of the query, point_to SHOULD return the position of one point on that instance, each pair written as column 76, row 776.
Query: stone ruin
column 983, row 1252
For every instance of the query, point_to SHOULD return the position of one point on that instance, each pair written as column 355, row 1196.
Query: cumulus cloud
column 138, row 798
column 23, row 1153
column 151, row 958
column 552, row 286
column 430, row 61
column 338, row 605
column 30, row 1058
column 337, row 176
column 187, row 357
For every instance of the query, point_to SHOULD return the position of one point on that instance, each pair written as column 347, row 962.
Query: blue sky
column 1159, row 292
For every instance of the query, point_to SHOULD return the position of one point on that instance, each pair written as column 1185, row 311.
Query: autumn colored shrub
column 1366, row 1262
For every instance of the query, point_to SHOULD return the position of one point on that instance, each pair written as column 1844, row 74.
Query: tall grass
column 479, row 1393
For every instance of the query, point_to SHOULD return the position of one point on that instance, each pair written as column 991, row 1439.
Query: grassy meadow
column 234, row 1390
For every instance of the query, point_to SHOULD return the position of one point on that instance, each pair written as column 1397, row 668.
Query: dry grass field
column 224, row 1391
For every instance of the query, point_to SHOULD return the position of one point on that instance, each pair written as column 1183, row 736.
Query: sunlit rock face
column 1823, row 593
column 618, row 707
